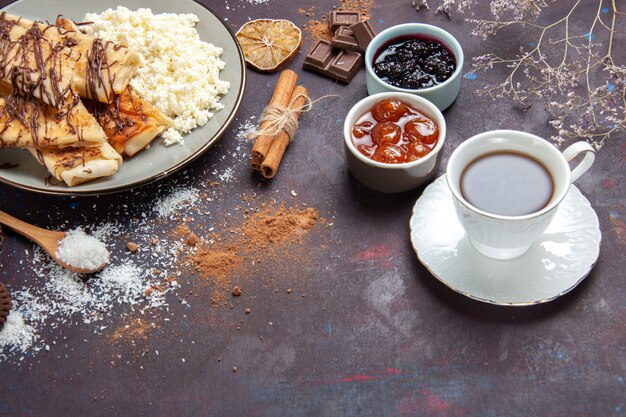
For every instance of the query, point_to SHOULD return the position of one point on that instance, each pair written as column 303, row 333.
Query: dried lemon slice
column 268, row 43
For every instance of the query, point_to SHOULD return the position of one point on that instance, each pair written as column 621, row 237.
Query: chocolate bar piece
column 346, row 65
column 334, row 63
column 344, row 39
column 337, row 19
column 364, row 33
column 320, row 56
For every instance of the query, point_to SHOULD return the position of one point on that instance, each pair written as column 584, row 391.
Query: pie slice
column 130, row 122
column 31, row 64
column 75, row 166
column 26, row 123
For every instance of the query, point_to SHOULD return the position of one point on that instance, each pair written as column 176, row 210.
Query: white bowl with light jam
column 393, row 141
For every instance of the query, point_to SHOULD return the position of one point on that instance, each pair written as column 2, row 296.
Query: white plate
column 158, row 161
column 561, row 258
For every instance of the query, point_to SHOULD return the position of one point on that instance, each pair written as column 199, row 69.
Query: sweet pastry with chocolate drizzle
column 75, row 166
column 26, row 123
column 44, row 71
column 99, row 69
column 32, row 65
column 104, row 69
column 130, row 122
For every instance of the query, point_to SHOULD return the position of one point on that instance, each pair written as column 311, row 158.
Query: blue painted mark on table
column 589, row 36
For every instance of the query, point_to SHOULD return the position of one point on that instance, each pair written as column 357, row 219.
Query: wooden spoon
column 47, row 239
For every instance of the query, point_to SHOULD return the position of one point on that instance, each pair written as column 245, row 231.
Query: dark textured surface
column 376, row 334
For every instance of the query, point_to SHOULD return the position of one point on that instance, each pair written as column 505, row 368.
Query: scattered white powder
column 80, row 250
column 57, row 298
column 117, row 284
column 63, row 295
column 227, row 175
column 246, row 128
column 241, row 4
column 178, row 200
column 16, row 336
column 180, row 74
column 125, row 281
column 70, row 291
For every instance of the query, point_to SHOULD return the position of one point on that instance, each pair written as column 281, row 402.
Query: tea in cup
column 507, row 186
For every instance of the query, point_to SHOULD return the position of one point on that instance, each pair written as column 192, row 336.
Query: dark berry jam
column 414, row 63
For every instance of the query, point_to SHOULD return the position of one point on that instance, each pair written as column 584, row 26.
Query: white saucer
column 561, row 258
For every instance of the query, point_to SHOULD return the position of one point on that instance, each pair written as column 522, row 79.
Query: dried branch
column 578, row 78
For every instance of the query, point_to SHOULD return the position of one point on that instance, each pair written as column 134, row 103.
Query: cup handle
column 575, row 149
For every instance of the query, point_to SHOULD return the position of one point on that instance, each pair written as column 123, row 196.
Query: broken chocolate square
column 344, row 39
column 345, row 66
column 364, row 33
column 337, row 19
column 333, row 63
column 320, row 55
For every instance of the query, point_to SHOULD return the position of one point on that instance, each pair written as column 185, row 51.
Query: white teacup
column 505, row 237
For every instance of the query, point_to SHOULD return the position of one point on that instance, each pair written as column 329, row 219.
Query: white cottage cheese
column 180, row 73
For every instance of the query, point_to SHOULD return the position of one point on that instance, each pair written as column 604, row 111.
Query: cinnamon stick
column 282, row 94
column 270, row 164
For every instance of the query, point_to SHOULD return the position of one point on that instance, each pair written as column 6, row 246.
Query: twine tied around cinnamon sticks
column 286, row 118
column 278, row 124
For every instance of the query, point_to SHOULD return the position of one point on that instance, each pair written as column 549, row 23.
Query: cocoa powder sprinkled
column 317, row 28
column 234, row 253
column 278, row 226
column 216, row 262
column 136, row 329
column 192, row 239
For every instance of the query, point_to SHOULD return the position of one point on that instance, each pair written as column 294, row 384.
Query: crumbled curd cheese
column 180, row 73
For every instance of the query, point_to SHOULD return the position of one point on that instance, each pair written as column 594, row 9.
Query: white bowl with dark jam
column 393, row 141
column 415, row 58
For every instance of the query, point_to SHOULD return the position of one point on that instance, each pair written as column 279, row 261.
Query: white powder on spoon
column 80, row 250
column 59, row 298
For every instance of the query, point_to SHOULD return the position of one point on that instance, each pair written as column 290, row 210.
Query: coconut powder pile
column 80, row 250
column 16, row 335
column 125, row 288
column 136, row 285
